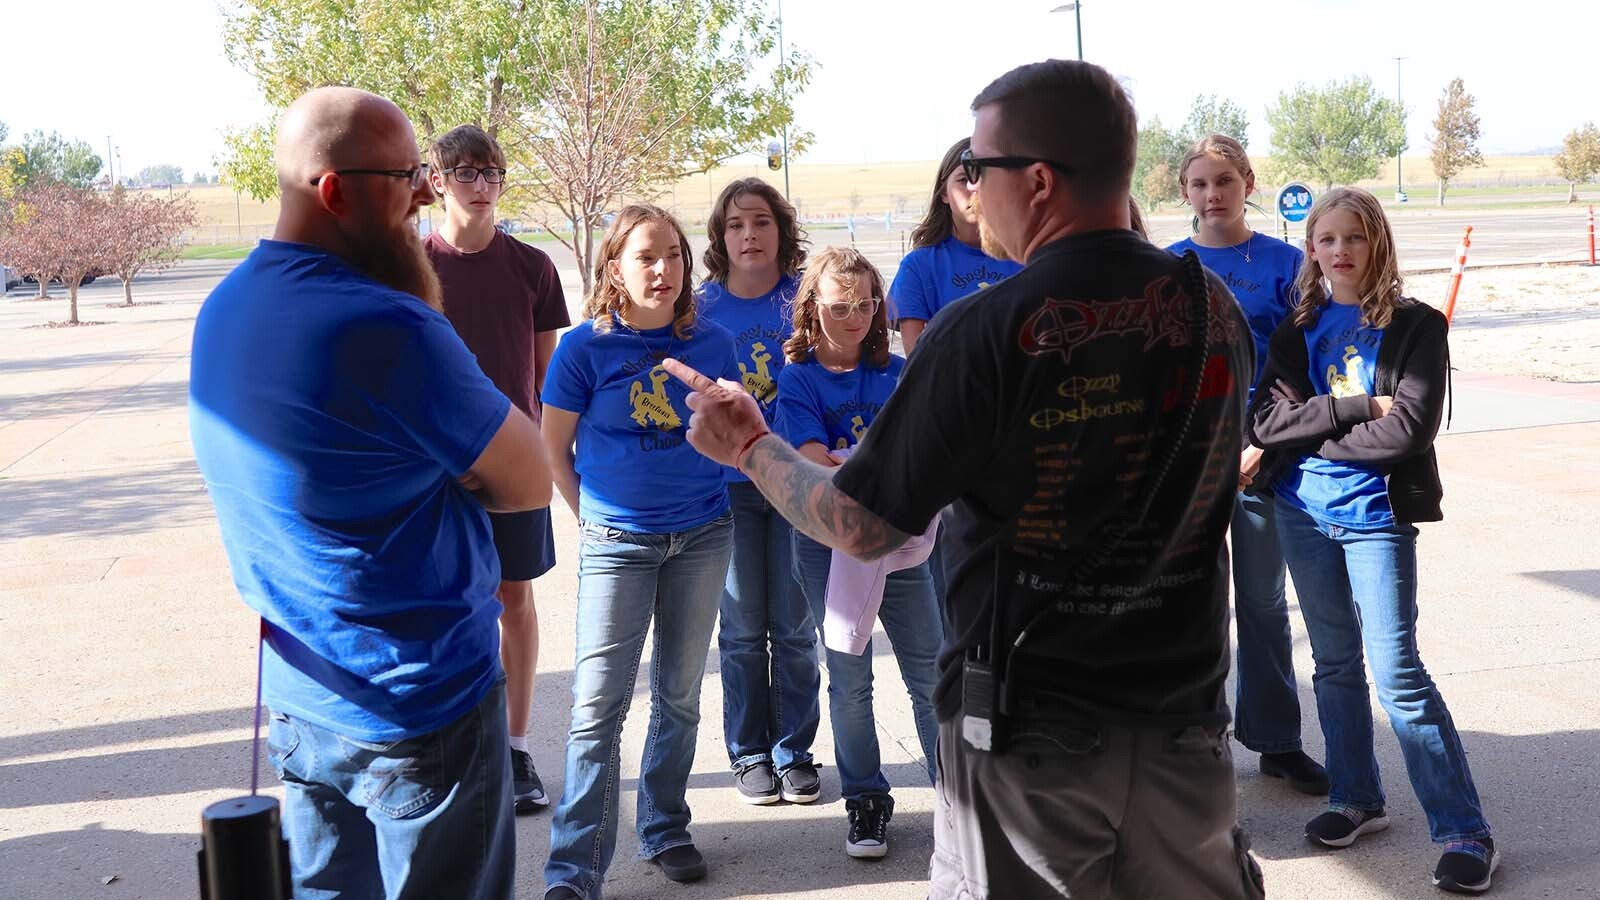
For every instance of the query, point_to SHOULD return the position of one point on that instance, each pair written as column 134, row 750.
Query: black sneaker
column 562, row 892
column 801, row 783
column 527, row 791
column 756, row 783
column 682, row 863
column 1341, row 825
column 869, row 827
column 1466, row 866
column 1303, row 773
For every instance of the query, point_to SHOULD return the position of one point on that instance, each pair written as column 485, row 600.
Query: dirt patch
column 1537, row 322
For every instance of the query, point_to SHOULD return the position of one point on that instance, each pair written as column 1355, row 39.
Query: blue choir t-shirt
column 931, row 278
column 636, row 470
column 1263, row 284
column 1343, row 356
column 833, row 408
column 759, row 327
column 331, row 417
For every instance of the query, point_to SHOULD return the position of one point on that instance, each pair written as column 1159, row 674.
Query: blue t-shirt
column 931, row 278
column 331, row 416
column 1264, row 285
column 759, row 327
column 1343, row 356
column 833, row 408
column 636, row 470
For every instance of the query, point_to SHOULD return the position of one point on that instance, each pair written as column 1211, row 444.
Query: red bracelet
column 738, row 458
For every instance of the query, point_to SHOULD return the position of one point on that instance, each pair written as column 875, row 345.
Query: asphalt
column 127, row 663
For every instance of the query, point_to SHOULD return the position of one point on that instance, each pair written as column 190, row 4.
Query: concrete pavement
column 127, row 663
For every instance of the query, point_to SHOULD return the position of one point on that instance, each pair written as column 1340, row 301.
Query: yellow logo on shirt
column 1348, row 384
column 759, row 383
column 654, row 405
column 858, row 430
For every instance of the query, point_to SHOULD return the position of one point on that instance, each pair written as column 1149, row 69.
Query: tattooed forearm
column 803, row 492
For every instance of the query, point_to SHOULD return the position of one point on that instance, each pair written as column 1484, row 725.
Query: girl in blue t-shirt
column 1216, row 177
column 840, row 373
column 656, row 535
column 1350, row 401
column 947, row 263
column 769, row 696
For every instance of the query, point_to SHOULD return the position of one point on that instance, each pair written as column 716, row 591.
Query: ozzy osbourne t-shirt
column 1041, row 408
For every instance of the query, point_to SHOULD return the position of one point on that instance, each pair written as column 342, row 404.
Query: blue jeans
column 1358, row 590
column 1267, row 703
column 910, row 616
column 770, row 711
column 424, row 817
column 625, row 580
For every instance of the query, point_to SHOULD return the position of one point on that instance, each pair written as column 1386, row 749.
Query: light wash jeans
column 1266, row 705
column 413, row 819
column 1358, row 590
column 626, row 580
column 910, row 616
column 767, row 642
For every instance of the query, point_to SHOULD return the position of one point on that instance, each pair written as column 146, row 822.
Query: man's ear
column 330, row 193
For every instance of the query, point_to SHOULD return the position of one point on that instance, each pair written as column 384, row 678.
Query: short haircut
column 1072, row 113
column 465, row 145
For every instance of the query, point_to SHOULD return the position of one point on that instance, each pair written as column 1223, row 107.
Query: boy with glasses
column 505, row 300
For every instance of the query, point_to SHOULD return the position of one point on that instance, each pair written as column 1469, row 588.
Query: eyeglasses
column 973, row 166
column 842, row 311
column 416, row 177
column 469, row 174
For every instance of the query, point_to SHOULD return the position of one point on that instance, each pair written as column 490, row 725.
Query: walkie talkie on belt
column 987, row 693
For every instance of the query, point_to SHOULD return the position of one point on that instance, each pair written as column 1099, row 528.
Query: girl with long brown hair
column 656, row 534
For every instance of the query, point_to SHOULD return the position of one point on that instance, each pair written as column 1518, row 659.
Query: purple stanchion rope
column 255, row 741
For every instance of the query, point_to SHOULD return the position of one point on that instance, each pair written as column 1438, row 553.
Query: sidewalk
column 129, row 663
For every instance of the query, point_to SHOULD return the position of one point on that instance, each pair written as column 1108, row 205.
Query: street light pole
column 781, row 62
column 1399, row 183
column 111, row 172
column 1076, row 9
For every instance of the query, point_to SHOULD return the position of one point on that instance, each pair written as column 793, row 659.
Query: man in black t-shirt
column 1082, row 419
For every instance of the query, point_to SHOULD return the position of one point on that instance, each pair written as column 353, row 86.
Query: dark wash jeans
column 423, row 817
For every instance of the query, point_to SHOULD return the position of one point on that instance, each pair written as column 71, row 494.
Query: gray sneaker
column 527, row 791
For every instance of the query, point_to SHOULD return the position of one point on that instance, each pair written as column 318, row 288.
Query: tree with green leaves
column 247, row 166
column 1208, row 116
column 592, row 100
column 1453, row 146
column 160, row 173
column 1155, row 169
column 1579, row 159
column 1336, row 135
column 53, row 159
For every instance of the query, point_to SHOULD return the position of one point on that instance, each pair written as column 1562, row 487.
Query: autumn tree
column 1336, row 135
column 58, row 232
column 1453, row 146
column 247, row 166
column 592, row 100
column 1579, row 159
column 144, row 234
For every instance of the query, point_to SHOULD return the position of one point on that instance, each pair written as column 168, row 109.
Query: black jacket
column 1413, row 368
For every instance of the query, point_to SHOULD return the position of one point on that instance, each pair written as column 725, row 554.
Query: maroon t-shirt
column 496, row 299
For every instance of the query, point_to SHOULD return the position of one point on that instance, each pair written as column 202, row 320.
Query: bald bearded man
column 351, row 445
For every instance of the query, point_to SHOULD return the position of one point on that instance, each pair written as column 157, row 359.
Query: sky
column 895, row 77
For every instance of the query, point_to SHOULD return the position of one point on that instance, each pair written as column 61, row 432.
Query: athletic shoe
column 801, row 783
column 869, row 827
column 562, row 892
column 1341, row 825
column 1303, row 773
column 756, row 783
column 1466, row 866
column 527, row 791
column 682, row 863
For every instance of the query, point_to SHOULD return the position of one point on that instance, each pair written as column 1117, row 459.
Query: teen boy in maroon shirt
column 505, row 300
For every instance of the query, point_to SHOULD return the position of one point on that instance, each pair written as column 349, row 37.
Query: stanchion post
column 1591, row 234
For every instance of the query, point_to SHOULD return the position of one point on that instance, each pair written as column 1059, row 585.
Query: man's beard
column 986, row 238
column 395, row 258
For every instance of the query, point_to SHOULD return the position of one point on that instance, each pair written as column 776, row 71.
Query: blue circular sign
column 1294, row 202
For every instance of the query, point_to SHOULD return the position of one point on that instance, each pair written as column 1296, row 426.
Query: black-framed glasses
column 469, row 174
column 973, row 166
column 416, row 177
column 841, row 311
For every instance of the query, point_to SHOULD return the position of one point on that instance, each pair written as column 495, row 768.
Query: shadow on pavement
column 1579, row 581
column 169, row 495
